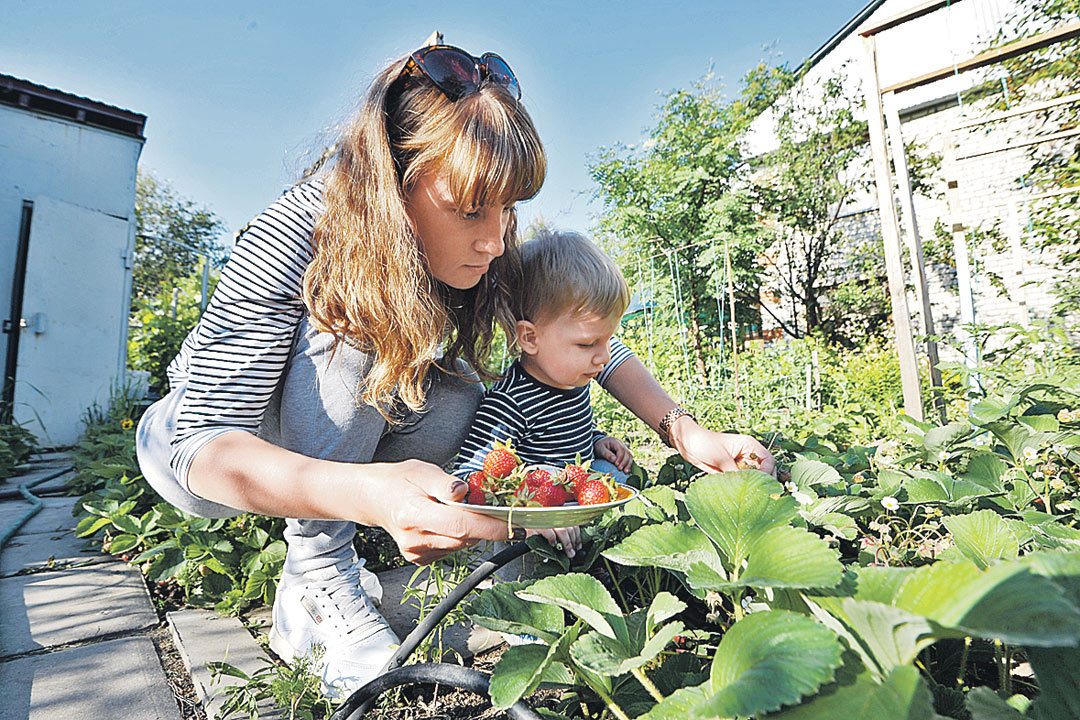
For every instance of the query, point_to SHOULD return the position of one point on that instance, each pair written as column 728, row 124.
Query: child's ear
column 526, row 336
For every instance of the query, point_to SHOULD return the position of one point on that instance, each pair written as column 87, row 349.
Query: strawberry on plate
column 501, row 460
column 594, row 492
column 551, row 494
column 574, row 475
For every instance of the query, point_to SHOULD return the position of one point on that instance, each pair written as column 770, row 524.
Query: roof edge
column 848, row 28
column 29, row 96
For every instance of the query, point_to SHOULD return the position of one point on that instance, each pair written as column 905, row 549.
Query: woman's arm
column 243, row 471
column 634, row 386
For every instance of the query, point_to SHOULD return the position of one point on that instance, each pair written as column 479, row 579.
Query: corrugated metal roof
column 32, row 97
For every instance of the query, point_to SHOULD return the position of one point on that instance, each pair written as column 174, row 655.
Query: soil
column 177, row 675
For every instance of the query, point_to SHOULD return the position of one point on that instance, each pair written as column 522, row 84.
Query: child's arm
column 497, row 418
column 614, row 451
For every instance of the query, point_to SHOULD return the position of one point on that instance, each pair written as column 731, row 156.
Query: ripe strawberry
column 501, row 460
column 477, row 497
column 551, row 494
column 572, row 476
column 530, row 486
column 593, row 492
column 478, row 482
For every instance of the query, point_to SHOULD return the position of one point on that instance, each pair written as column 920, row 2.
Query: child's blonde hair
column 566, row 272
column 369, row 284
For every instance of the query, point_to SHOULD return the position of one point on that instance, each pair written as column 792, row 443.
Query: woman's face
column 459, row 243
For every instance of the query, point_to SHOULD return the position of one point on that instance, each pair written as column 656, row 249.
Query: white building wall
column 990, row 188
column 93, row 170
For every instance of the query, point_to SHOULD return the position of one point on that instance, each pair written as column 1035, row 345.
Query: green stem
column 738, row 611
column 611, row 705
column 1008, row 670
column 648, row 684
column 1000, row 659
column 617, row 584
column 963, row 662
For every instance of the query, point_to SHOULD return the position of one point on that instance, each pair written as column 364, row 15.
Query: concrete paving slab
column 117, row 679
column 69, row 606
column 55, row 515
column 203, row 636
column 44, row 551
column 55, row 486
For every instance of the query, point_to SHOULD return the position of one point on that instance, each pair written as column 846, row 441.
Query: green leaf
column 983, row 536
column 807, row 473
column 518, row 673
column 736, row 508
column 984, row 704
column 123, row 543
column 584, row 596
column 764, row 661
column 987, row 469
column 90, row 525
column 606, row 656
column 940, row 439
column 1006, row 602
column 819, row 511
column 885, row 637
column 499, row 608
column 126, row 523
column 770, row 659
column 929, row 486
column 663, row 606
column 671, row 546
column 1058, row 672
column 903, row 696
column 788, row 557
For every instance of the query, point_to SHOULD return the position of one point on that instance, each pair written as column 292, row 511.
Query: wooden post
column 890, row 235
column 911, row 230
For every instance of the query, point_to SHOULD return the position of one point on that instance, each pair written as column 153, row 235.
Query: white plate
column 543, row 518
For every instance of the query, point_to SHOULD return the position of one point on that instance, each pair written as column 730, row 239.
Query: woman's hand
column 424, row 528
column 613, row 450
column 719, row 452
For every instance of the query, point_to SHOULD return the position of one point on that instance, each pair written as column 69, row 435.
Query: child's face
column 568, row 350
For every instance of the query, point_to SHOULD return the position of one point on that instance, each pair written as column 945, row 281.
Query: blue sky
column 241, row 95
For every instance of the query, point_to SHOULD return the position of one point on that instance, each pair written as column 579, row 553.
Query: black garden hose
column 35, row 503
column 352, row 709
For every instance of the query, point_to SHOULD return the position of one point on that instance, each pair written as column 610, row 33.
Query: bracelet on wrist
column 663, row 429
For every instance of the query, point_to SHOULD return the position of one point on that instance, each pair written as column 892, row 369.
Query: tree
column 671, row 199
column 171, row 232
column 830, row 280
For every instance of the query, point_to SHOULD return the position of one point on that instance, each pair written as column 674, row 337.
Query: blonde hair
column 565, row 271
column 368, row 283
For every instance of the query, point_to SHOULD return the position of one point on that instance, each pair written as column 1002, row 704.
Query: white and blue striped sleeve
column 233, row 359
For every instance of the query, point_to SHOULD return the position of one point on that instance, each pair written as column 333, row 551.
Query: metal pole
column 890, row 235
column 205, row 284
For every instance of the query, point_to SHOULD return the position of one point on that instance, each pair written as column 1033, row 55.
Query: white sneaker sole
column 281, row 646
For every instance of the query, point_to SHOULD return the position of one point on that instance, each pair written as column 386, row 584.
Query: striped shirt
column 233, row 358
column 548, row 425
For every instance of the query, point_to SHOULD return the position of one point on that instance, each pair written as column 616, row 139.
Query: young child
column 572, row 300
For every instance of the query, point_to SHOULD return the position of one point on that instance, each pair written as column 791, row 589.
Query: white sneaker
column 331, row 607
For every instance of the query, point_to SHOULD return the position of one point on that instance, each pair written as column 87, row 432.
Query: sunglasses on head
column 457, row 73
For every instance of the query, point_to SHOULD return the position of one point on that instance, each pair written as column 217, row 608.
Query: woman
column 332, row 374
